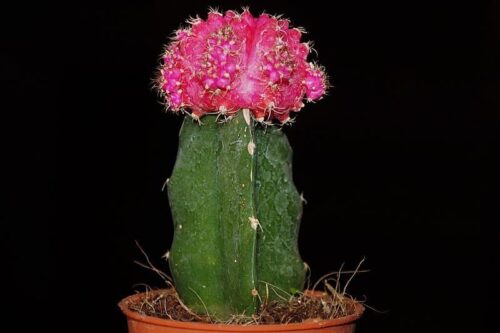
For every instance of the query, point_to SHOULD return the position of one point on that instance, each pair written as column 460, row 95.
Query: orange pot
column 138, row 323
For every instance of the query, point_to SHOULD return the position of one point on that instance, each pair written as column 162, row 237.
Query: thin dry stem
column 333, row 302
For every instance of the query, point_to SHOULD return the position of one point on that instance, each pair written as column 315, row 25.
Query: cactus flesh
column 236, row 216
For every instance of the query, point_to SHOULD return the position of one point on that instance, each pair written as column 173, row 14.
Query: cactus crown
column 236, row 61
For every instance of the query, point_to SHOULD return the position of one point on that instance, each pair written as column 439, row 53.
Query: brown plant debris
column 331, row 303
column 165, row 303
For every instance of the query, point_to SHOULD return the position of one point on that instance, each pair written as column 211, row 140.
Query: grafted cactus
column 236, row 210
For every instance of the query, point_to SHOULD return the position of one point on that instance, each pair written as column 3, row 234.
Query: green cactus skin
column 279, row 208
column 236, row 214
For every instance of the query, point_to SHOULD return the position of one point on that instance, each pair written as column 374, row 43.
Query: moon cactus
column 236, row 210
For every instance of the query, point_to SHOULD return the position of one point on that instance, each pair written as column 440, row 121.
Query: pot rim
column 309, row 324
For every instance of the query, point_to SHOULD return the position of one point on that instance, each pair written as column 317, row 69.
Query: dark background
column 396, row 163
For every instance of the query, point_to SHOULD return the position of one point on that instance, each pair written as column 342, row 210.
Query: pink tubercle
column 237, row 61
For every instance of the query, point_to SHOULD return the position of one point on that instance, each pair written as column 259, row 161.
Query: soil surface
column 165, row 303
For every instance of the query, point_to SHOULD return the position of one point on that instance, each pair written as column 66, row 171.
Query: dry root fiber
column 332, row 303
column 165, row 303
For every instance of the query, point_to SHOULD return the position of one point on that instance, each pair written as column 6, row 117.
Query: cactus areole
column 235, row 208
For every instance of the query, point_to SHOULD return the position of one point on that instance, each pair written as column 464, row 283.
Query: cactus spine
column 236, row 216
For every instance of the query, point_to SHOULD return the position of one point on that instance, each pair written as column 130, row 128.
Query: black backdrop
column 396, row 163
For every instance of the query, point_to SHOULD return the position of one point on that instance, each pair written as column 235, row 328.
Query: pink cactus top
column 236, row 61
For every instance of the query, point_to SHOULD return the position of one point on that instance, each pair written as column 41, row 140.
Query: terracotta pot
column 138, row 323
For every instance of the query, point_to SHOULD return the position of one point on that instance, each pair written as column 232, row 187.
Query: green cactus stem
column 279, row 209
column 236, row 216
